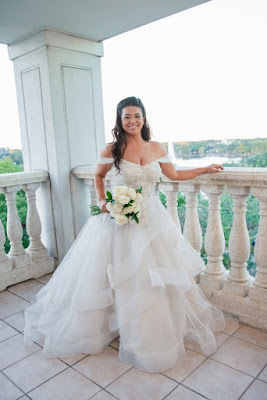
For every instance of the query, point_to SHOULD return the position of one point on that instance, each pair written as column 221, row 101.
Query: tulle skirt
column 135, row 281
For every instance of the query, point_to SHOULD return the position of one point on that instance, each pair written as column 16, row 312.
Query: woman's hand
column 102, row 205
column 214, row 168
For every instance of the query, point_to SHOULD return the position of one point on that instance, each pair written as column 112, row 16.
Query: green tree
column 7, row 165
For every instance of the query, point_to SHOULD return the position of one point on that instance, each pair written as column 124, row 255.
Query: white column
column 171, row 190
column 5, row 263
column 214, row 240
column 192, row 229
column 93, row 194
column 238, row 279
column 14, row 229
column 58, row 79
column 258, row 290
column 36, row 249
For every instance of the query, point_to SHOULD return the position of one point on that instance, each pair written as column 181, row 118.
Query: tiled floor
column 236, row 371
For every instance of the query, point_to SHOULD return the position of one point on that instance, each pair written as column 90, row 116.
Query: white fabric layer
column 133, row 280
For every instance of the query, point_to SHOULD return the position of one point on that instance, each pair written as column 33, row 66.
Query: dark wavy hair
column 119, row 143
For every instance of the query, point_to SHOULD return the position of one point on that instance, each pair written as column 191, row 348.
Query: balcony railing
column 235, row 291
column 20, row 264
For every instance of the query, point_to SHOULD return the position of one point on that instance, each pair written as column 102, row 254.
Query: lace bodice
column 134, row 175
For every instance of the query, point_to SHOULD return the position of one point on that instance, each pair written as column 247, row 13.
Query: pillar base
column 237, row 288
column 258, row 294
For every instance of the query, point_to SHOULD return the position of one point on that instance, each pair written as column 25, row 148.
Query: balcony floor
column 236, row 371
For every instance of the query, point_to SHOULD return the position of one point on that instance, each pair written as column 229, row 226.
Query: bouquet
column 123, row 205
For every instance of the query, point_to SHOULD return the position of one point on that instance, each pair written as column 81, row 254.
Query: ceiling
column 92, row 19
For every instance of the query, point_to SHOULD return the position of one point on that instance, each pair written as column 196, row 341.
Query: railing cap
column 21, row 178
column 236, row 176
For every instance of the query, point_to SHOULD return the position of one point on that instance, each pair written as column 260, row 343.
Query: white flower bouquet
column 123, row 205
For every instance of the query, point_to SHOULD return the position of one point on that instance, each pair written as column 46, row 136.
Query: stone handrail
column 234, row 291
column 20, row 264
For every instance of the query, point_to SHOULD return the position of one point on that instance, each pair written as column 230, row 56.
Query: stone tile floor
column 236, row 371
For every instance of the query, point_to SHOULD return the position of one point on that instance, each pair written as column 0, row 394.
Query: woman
column 135, row 280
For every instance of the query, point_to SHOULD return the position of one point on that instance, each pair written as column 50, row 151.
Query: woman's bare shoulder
column 158, row 148
column 106, row 151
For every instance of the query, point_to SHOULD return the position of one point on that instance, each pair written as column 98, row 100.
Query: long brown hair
column 119, row 143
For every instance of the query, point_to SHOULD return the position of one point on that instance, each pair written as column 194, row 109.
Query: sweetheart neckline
column 140, row 165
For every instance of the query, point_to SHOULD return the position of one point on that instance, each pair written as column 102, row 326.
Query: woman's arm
column 100, row 173
column 182, row 175
column 169, row 170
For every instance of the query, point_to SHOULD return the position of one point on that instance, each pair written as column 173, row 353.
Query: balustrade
column 258, row 290
column 214, row 239
column 20, row 264
column 234, row 291
column 171, row 190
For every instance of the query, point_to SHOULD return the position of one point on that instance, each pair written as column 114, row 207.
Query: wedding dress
column 135, row 281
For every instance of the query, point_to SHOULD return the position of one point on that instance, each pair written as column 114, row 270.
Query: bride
column 136, row 280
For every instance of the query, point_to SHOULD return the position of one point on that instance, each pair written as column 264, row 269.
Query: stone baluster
column 192, row 229
column 36, row 249
column 238, row 279
column 171, row 189
column 259, row 288
column 93, row 194
column 5, row 263
column 214, row 240
column 14, row 229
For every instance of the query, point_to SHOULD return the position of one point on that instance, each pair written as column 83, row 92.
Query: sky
column 201, row 74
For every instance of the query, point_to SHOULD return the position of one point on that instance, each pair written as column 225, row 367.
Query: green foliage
column 22, row 211
column 258, row 161
column 17, row 157
column 238, row 147
column 7, row 165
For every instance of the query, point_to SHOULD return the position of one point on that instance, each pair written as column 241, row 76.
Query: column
column 238, row 279
column 192, row 229
column 36, row 249
column 171, row 189
column 58, row 80
column 214, row 240
column 258, row 291
column 17, row 253
column 5, row 263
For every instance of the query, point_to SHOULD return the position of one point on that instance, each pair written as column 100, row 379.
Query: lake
column 203, row 161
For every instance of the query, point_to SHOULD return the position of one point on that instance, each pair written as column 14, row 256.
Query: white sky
column 201, row 74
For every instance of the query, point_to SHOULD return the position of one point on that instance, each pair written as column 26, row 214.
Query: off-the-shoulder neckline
column 140, row 165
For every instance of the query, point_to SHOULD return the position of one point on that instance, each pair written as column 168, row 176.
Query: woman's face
column 132, row 120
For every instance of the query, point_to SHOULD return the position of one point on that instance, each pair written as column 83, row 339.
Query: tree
column 7, row 165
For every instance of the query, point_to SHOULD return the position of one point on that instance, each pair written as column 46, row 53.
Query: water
column 203, row 161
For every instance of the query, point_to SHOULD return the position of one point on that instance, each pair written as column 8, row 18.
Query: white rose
column 128, row 210
column 124, row 199
column 109, row 207
column 136, row 207
column 116, row 191
column 117, row 208
column 124, row 190
column 121, row 220
column 138, row 197
column 116, row 198
column 132, row 194
column 115, row 214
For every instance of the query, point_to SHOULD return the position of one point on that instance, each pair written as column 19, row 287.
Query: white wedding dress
column 135, row 281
